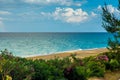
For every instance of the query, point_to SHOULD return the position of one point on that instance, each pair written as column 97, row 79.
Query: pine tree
column 111, row 23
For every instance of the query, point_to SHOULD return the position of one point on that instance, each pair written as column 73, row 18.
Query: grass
column 108, row 76
column 112, row 75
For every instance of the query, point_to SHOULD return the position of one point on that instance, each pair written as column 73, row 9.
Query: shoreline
column 79, row 53
column 27, row 56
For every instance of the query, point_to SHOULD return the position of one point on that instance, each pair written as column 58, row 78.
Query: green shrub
column 110, row 55
column 45, row 71
column 118, row 57
column 75, row 73
column 102, row 58
column 81, row 73
column 70, row 68
column 89, row 59
column 114, row 61
column 22, row 72
column 60, row 63
column 114, row 64
column 95, row 68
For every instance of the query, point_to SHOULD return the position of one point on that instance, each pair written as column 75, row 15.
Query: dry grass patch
column 108, row 76
column 112, row 75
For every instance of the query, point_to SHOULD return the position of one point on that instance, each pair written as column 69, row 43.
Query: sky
column 53, row 15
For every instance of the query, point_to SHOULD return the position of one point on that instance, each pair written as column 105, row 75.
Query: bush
column 60, row 63
column 44, row 71
column 88, row 59
column 81, row 73
column 114, row 61
column 95, row 68
column 70, row 68
column 118, row 57
column 75, row 73
column 22, row 72
column 103, row 58
column 114, row 64
column 110, row 55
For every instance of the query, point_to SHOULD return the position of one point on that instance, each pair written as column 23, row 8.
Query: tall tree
column 111, row 23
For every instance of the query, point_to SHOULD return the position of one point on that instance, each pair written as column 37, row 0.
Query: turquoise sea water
column 30, row 44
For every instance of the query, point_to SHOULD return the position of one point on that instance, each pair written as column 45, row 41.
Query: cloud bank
column 69, row 15
column 110, row 8
column 5, row 13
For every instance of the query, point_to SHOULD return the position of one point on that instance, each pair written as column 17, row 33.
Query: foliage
column 69, row 68
column 114, row 64
column 13, row 67
column 112, row 25
column 88, row 59
column 95, row 69
column 103, row 58
column 44, row 71
column 75, row 73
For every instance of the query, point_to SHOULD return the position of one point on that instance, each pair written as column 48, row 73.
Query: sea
column 33, row 44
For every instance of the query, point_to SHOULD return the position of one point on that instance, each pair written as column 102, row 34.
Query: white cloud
column 110, row 8
column 5, row 13
column 68, row 15
column 93, row 14
column 61, row 2
column 99, row 7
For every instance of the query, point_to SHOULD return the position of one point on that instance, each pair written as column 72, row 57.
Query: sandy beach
column 79, row 54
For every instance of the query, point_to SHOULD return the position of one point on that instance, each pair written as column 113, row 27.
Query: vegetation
column 112, row 25
column 70, row 68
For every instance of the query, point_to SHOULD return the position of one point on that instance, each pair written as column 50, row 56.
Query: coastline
column 79, row 54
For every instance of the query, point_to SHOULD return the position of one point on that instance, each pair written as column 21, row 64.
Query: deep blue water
column 27, row 44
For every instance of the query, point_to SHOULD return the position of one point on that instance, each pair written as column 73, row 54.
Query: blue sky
column 53, row 15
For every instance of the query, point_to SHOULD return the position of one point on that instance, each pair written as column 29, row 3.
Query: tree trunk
column 3, row 77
